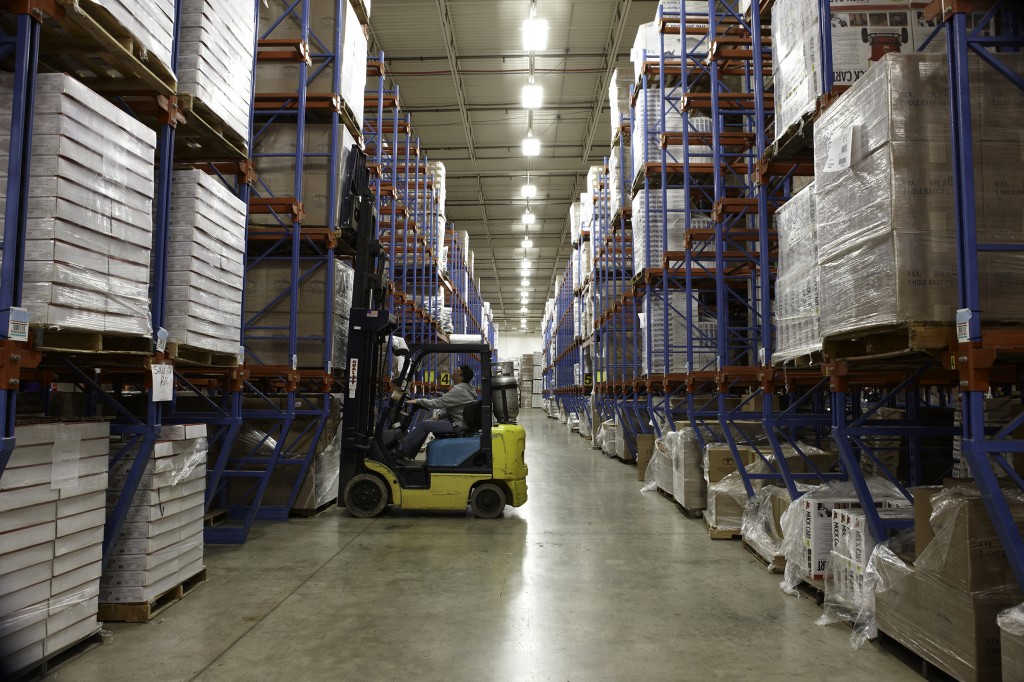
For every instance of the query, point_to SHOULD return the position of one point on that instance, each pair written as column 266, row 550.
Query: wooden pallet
column 317, row 511
column 215, row 517
column 688, row 513
column 891, row 341
column 814, row 589
column 721, row 533
column 776, row 565
column 146, row 611
column 801, row 361
column 61, row 658
column 626, row 461
column 190, row 355
column 205, row 135
column 925, row 668
column 49, row 339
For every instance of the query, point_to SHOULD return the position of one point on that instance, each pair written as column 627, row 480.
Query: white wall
column 512, row 346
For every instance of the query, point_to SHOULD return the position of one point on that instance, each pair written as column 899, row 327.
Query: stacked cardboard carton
column 52, row 499
column 797, row 287
column 90, row 212
column 161, row 541
column 205, row 263
column 215, row 66
column 283, row 77
column 945, row 608
column 150, row 22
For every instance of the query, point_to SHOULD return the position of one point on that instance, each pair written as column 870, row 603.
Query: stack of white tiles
column 90, row 211
column 161, row 541
column 217, row 38
column 151, row 22
column 651, row 210
column 205, row 264
column 52, row 497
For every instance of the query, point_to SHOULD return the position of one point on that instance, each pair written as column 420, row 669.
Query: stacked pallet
column 150, row 22
column 206, row 263
column 52, row 497
column 90, row 212
column 215, row 67
column 161, row 541
column 797, row 286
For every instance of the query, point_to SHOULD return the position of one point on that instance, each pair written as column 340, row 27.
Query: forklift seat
column 450, row 451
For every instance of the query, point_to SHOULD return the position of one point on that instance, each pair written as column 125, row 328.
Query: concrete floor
column 590, row 580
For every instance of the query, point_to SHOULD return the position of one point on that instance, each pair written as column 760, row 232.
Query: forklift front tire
column 487, row 501
column 366, row 495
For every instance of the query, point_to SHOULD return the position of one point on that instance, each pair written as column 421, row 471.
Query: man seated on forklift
column 452, row 405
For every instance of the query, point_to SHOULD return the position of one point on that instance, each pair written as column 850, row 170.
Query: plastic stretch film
column 797, row 287
column 1011, row 640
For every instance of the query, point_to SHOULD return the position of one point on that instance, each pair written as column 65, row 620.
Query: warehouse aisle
column 591, row 580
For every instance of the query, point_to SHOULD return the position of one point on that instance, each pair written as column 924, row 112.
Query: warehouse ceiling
column 460, row 66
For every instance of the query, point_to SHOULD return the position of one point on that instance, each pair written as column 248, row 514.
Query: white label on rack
column 241, row 355
column 65, row 469
column 163, row 383
column 963, row 325
column 161, row 340
column 295, row 362
column 17, row 326
column 840, row 150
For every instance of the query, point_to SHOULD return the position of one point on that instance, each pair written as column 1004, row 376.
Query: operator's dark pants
column 414, row 439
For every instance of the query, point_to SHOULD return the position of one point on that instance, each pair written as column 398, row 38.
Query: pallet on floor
column 626, row 461
column 688, row 513
column 315, row 511
column 925, row 668
column 721, row 533
column 776, row 564
column 61, row 658
column 814, row 589
column 146, row 611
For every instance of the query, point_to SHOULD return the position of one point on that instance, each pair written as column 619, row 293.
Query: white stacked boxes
column 620, row 176
column 649, row 43
column 689, row 487
column 90, row 217
column 852, row 545
column 441, row 185
column 667, row 324
column 620, row 87
column 205, row 265
column 283, row 77
column 52, row 497
column 161, row 541
column 797, row 320
column 344, row 279
column 215, row 66
column 150, row 22
column 884, row 207
column 652, row 210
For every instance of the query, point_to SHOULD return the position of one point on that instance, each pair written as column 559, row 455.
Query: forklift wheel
column 487, row 501
column 366, row 495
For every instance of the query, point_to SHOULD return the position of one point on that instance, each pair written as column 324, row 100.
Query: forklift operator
column 452, row 405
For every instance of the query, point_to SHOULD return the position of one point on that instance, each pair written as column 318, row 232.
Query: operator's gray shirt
column 453, row 403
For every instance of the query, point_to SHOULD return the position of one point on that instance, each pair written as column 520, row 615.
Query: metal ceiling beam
column 453, row 62
column 618, row 26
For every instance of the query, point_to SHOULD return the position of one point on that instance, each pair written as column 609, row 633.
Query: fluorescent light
column 527, row 243
column 522, row 309
column 531, row 145
column 535, row 34
column 529, row 218
column 533, row 96
column 529, row 191
column 525, row 282
column 526, row 263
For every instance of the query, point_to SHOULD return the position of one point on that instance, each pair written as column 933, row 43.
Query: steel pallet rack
column 287, row 402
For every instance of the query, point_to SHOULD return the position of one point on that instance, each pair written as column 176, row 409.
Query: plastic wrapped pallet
column 216, row 60
column 205, row 264
column 161, row 542
column 90, row 211
column 150, row 22
column 52, row 501
column 620, row 87
column 283, row 77
column 797, row 289
column 345, row 280
column 884, row 209
column 1011, row 642
column 945, row 606
column 688, row 485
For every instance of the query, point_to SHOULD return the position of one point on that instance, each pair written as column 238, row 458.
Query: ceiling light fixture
column 527, row 242
column 525, row 282
column 529, row 191
column 535, row 34
column 531, row 145
column 529, row 218
column 522, row 309
column 532, row 95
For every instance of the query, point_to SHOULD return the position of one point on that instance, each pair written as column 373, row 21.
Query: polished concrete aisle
column 590, row 580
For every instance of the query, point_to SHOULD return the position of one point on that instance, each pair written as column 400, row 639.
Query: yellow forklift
column 483, row 468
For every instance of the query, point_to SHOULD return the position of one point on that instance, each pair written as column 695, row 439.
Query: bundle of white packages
column 215, row 66
column 51, row 539
column 205, row 263
column 150, row 22
column 161, row 541
column 90, row 210
column 797, row 319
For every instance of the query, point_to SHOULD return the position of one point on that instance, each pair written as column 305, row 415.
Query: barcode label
column 17, row 326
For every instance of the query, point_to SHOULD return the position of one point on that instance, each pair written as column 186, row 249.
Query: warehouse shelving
column 287, row 400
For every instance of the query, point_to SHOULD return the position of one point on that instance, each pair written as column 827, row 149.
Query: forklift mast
column 370, row 323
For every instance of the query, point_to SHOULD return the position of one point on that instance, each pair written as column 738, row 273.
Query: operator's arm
column 452, row 398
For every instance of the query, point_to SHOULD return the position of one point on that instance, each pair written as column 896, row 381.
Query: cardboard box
column 950, row 627
column 975, row 559
column 720, row 461
column 644, row 452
